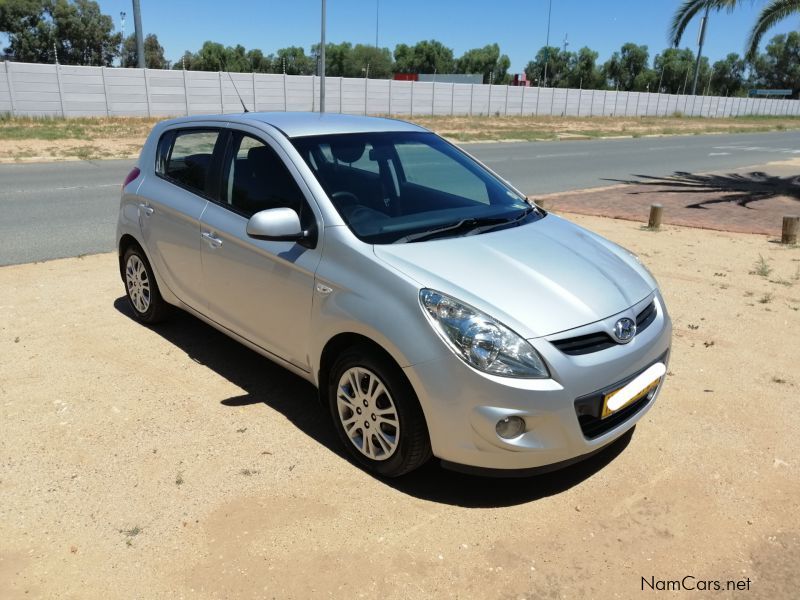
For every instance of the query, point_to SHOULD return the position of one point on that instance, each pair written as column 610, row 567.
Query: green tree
column 213, row 56
column 295, row 61
column 153, row 53
column 558, row 67
column 429, row 56
column 779, row 66
column 583, row 71
column 337, row 57
column 727, row 76
column 259, row 63
column 486, row 61
column 628, row 68
column 379, row 61
column 75, row 30
column 674, row 68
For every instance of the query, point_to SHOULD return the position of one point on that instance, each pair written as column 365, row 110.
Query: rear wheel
column 376, row 413
column 141, row 288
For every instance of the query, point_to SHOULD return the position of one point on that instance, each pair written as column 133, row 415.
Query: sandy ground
column 172, row 462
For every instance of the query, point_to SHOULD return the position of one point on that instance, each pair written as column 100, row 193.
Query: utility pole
column 137, row 23
column 547, row 42
column 700, row 39
column 322, row 62
column 566, row 42
column 122, row 15
column 377, row 19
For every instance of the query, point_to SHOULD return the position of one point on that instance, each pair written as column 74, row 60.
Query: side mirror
column 277, row 225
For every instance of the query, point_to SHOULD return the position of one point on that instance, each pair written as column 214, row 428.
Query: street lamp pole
column 700, row 39
column 322, row 62
column 377, row 19
column 137, row 21
column 547, row 42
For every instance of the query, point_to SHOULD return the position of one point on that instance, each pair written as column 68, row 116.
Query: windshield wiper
column 472, row 224
column 517, row 219
column 462, row 225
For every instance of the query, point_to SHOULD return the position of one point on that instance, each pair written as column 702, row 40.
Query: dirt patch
column 168, row 462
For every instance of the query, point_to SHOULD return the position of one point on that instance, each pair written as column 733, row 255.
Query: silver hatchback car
column 438, row 312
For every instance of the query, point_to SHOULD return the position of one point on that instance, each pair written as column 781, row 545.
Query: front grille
column 647, row 316
column 585, row 344
column 588, row 408
column 594, row 342
column 593, row 427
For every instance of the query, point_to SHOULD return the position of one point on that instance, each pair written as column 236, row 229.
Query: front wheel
column 376, row 414
column 141, row 288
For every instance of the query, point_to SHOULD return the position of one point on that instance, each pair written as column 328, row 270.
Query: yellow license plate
column 608, row 412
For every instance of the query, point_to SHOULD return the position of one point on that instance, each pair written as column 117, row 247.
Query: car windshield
column 409, row 186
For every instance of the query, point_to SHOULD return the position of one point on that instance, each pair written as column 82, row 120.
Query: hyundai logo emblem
column 624, row 330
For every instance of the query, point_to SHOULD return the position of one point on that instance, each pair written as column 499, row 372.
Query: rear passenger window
column 188, row 163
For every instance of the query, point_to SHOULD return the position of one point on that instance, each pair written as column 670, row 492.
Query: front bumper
column 463, row 405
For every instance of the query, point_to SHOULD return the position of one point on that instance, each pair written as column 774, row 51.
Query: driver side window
column 256, row 179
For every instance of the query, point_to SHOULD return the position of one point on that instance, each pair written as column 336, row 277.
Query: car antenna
column 237, row 91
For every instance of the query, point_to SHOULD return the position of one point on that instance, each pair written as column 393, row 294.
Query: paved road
column 55, row 210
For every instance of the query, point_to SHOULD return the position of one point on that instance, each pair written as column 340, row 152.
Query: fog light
column 510, row 427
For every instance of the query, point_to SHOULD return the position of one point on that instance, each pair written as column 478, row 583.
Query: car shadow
column 296, row 399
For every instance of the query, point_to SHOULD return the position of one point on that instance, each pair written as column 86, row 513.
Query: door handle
column 146, row 209
column 212, row 239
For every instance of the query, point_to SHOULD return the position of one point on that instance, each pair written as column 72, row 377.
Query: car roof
column 301, row 124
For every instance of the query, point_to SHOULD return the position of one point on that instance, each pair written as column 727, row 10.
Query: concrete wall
column 50, row 90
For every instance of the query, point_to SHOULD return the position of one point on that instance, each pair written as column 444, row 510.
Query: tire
column 141, row 288
column 391, row 446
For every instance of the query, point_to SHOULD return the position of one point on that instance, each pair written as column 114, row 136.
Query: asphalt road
column 55, row 210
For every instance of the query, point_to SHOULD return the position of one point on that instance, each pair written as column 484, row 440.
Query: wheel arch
column 125, row 242
column 338, row 344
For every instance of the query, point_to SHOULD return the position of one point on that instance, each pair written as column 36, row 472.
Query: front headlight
column 480, row 340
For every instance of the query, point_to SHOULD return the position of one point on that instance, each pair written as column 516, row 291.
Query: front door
column 261, row 290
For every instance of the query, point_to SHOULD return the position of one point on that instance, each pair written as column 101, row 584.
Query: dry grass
column 45, row 139
column 483, row 128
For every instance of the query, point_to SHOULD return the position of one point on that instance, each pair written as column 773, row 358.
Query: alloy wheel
column 368, row 413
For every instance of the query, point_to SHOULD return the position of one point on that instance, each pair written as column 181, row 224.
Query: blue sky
column 519, row 26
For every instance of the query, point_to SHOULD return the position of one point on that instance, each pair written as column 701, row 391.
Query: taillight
column 131, row 176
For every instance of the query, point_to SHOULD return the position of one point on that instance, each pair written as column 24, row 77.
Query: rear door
column 261, row 290
column 172, row 204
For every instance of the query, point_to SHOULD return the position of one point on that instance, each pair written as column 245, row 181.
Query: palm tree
column 774, row 11
column 688, row 11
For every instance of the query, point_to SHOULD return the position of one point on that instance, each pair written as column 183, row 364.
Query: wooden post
column 791, row 226
column 656, row 210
